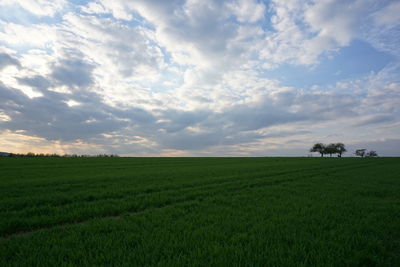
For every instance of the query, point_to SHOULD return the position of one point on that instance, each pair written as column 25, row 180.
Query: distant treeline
column 54, row 155
column 339, row 149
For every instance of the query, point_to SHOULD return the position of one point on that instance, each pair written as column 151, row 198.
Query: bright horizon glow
column 199, row 77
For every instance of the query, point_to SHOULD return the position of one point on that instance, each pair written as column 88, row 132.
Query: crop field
column 199, row 212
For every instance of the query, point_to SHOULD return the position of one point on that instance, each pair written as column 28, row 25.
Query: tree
column 360, row 152
column 340, row 149
column 371, row 154
column 319, row 147
column 331, row 149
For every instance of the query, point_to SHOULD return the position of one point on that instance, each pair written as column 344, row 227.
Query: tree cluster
column 333, row 148
column 54, row 155
column 363, row 153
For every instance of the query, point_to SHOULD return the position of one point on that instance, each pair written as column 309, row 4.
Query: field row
column 49, row 208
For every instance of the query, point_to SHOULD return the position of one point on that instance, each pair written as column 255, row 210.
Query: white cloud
column 388, row 16
column 38, row 7
column 38, row 35
column 196, row 34
column 248, row 10
column 337, row 20
column 4, row 117
column 115, row 46
column 119, row 9
column 94, row 8
column 304, row 31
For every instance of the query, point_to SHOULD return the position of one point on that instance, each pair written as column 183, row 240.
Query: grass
column 199, row 212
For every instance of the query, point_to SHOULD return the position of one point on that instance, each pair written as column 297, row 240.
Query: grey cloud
column 384, row 98
column 327, row 106
column 136, row 115
column 226, row 141
column 185, row 140
column 230, row 127
column 73, row 72
column 286, row 133
column 141, row 116
column 49, row 117
column 246, row 117
column 374, row 119
column 294, row 141
column 38, row 82
column 179, row 120
column 7, row 60
column 237, row 124
column 241, row 138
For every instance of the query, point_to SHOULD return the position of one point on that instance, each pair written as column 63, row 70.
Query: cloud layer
column 198, row 77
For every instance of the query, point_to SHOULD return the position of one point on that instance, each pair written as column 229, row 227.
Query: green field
column 200, row 212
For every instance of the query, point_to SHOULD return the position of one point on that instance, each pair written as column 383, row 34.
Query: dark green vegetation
column 200, row 211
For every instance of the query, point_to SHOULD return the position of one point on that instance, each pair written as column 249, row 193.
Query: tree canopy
column 332, row 148
column 340, row 148
column 360, row 152
column 372, row 153
column 319, row 147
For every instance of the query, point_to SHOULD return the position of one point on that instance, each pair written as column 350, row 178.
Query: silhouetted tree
column 31, row 154
column 371, row 154
column 340, row 149
column 360, row 152
column 331, row 149
column 319, row 147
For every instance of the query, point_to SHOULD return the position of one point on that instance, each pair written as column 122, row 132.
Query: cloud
column 37, row 82
column 303, row 32
column 247, row 117
column 38, row 7
column 374, row 119
column 23, row 36
column 248, row 11
column 192, row 77
column 174, row 120
column 7, row 60
column 199, row 35
column 388, row 16
column 337, row 20
column 73, row 71
column 115, row 46
column 51, row 118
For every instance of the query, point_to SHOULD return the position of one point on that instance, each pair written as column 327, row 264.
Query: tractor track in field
column 228, row 187
column 151, row 190
column 199, row 197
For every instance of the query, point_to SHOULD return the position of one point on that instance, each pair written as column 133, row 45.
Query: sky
column 199, row 77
